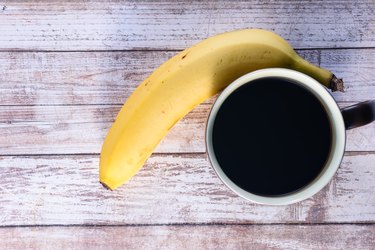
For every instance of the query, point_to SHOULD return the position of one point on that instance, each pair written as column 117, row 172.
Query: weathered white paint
column 119, row 25
column 82, row 129
column 91, row 86
column 36, row 78
column 45, row 190
column 192, row 237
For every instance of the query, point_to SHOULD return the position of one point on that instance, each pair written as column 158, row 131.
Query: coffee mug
column 276, row 136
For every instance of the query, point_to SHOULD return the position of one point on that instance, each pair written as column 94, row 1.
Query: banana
column 182, row 83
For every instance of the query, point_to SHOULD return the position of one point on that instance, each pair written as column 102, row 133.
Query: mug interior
column 335, row 119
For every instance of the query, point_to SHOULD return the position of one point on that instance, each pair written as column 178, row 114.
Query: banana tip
column 106, row 186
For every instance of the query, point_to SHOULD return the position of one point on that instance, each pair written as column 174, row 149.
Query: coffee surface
column 271, row 137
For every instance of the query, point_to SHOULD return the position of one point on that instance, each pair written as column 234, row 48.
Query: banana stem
column 323, row 76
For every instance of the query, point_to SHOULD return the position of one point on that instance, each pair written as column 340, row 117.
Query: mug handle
column 358, row 114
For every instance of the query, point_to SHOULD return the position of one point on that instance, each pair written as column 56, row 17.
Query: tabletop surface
column 66, row 68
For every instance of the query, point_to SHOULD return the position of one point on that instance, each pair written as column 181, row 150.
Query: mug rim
column 338, row 136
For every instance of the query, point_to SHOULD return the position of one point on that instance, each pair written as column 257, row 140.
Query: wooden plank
column 40, row 78
column 127, row 25
column 37, row 78
column 82, row 129
column 31, row 78
column 192, row 237
column 64, row 190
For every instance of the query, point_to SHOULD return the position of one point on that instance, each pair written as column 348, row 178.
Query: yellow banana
column 185, row 81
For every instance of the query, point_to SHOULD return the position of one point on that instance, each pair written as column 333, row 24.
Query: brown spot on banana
column 184, row 56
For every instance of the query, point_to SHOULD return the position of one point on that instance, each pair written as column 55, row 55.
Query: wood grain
column 36, row 78
column 192, row 237
column 183, row 188
column 66, row 67
column 82, row 129
column 129, row 25
column 35, row 130
column 40, row 78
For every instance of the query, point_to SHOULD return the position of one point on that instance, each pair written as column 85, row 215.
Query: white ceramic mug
column 340, row 120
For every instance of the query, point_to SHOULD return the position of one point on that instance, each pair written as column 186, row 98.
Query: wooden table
column 66, row 68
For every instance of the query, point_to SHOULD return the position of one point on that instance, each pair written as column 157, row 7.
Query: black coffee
column 271, row 137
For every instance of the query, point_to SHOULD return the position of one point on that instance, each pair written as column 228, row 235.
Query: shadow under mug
column 340, row 121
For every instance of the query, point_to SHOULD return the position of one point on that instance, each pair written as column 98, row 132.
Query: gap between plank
column 160, row 50
column 196, row 224
column 102, row 104
column 60, row 105
column 347, row 153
